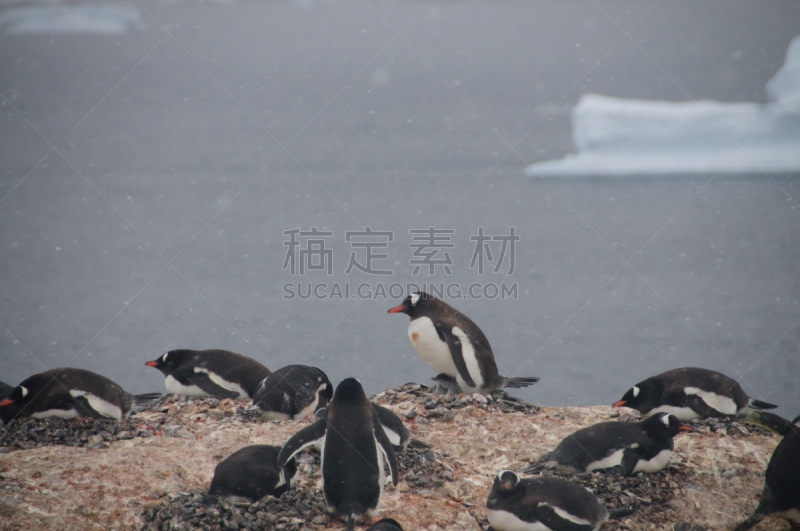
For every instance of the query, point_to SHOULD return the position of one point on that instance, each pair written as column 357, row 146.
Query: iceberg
column 618, row 137
column 71, row 19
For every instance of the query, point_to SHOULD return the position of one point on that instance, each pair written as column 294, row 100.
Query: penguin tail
column 616, row 514
column 351, row 522
column 758, row 404
column 416, row 443
column 534, row 468
column 755, row 518
column 765, row 419
column 523, row 381
column 145, row 401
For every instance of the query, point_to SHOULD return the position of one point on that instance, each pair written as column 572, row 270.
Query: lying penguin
column 690, row 393
column 69, row 393
column 291, row 392
column 621, row 448
column 214, row 372
column 354, row 450
column 781, row 494
column 251, row 473
column 542, row 503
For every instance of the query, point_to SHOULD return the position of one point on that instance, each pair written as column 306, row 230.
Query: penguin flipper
column 204, row 382
column 700, row 407
column 388, row 450
column 456, row 351
column 302, row 439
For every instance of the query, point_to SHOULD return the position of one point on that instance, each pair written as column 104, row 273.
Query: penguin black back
column 214, row 372
column 252, row 473
column 292, row 392
column 619, row 447
column 68, row 393
column 555, row 503
column 689, row 393
column 354, row 452
column 781, row 493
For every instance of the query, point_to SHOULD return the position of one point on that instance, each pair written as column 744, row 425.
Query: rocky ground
column 151, row 471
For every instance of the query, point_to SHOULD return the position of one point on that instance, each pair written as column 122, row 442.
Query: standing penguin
column 618, row 447
column 291, row 392
column 354, row 449
column 218, row 373
column 542, row 503
column 70, row 393
column 781, row 494
column 690, row 393
column 452, row 344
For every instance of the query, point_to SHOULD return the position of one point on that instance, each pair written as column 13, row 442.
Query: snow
column 71, row 19
column 616, row 136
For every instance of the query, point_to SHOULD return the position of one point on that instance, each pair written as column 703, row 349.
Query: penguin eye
column 635, row 391
column 24, row 391
column 666, row 420
column 414, row 298
column 164, row 357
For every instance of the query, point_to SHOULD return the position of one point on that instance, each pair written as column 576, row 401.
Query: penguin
column 542, row 503
column 781, row 495
column 70, row 393
column 452, row 344
column 445, row 385
column 620, row 448
column 690, row 393
column 354, row 450
column 217, row 373
column 251, row 473
column 291, row 392
column 386, row 524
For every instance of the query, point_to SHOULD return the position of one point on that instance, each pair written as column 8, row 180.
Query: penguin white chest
column 435, row 352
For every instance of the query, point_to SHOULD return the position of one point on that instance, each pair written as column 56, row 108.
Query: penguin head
column 413, row 304
column 349, row 390
column 168, row 361
column 642, row 397
column 14, row 402
column 506, row 481
column 664, row 423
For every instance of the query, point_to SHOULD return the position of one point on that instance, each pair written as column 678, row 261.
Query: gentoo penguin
column 781, row 494
column 623, row 447
column 291, row 392
column 251, row 473
column 386, row 524
column 452, row 344
column 690, row 393
column 214, row 372
column 445, row 385
column 70, row 393
column 354, row 450
column 542, row 503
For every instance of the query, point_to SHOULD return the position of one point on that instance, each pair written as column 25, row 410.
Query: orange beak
column 152, row 364
column 6, row 402
column 620, row 403
column 686, row 428
column 398, row 309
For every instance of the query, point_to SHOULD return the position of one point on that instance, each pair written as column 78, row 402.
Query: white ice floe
column 104, row 19
column 616, row 136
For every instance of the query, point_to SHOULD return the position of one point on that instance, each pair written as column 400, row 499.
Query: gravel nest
column 302, row 507
column 440, row 406
column 90, row 433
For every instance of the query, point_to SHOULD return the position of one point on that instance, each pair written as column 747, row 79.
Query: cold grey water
column 204, row 175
